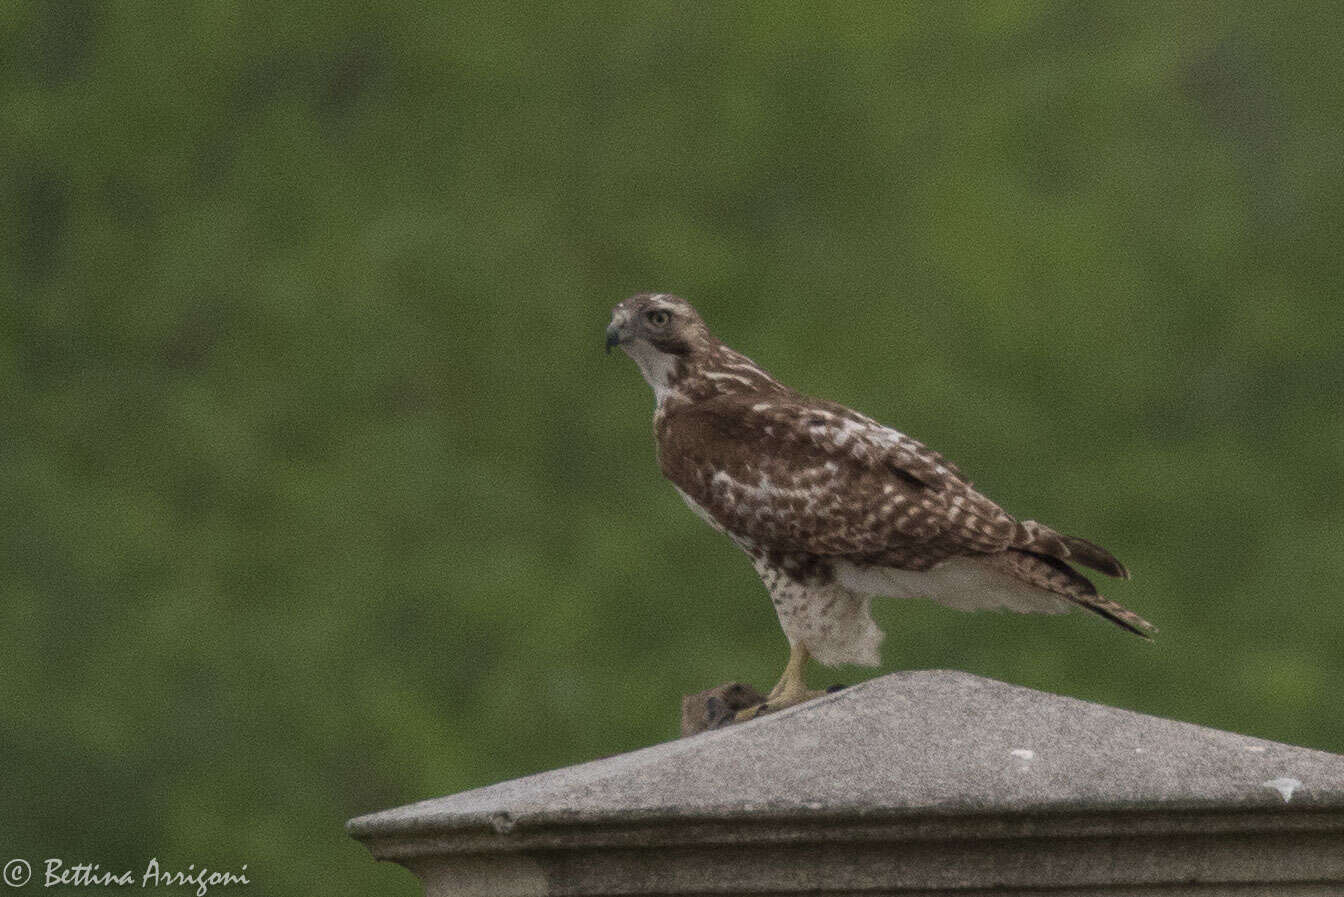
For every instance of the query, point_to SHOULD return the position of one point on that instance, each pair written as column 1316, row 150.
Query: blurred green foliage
column 319, row 495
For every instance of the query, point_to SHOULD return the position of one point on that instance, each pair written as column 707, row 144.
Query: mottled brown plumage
column 833, row 507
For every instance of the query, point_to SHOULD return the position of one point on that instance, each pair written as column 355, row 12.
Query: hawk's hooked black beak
column 613, row 337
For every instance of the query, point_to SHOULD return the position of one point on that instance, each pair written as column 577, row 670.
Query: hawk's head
column 660, row 322
column 677, row 354
column 663, row 334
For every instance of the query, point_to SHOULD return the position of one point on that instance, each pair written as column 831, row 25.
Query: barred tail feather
column 1038, row 538
column 1051, row 573
column 1117, row 613
column 1094, row 556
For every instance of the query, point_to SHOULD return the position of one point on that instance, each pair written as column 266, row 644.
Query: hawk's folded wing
column 805, row 475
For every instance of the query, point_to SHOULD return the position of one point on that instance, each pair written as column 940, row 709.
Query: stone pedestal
column 919, row 783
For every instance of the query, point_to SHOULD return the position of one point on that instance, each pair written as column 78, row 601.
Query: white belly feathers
column 964, row 583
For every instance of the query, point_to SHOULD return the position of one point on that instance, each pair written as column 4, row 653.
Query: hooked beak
column 613, row 336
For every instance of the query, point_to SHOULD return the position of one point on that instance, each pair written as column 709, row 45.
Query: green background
column 319, row 496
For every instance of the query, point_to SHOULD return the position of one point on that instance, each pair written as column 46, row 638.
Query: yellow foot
column 770, row 705
column 789, row 690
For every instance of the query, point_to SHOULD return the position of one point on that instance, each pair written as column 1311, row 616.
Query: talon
column 790, row 690
column 750, row 713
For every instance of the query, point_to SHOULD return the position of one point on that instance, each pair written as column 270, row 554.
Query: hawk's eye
column 658, row 317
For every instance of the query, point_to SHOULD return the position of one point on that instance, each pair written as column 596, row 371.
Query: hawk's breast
column 699, row 509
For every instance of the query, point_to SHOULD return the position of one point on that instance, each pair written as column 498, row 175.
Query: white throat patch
column 657, row 367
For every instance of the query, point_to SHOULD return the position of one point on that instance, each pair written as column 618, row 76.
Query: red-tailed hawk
column 832, row 507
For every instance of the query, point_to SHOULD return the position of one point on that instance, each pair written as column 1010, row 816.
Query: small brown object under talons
column 734, row 702
column 716, row 707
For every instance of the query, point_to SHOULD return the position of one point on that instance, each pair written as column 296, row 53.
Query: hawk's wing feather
column 817, row 477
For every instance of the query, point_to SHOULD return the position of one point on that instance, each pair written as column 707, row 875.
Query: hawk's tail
column 1052, row 574
column 1041, row 539
column 1118, row 614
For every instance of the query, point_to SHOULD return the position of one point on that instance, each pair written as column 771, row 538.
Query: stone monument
column 918, row 783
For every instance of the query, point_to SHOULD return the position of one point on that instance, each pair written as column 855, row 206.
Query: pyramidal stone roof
column 906, row 744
